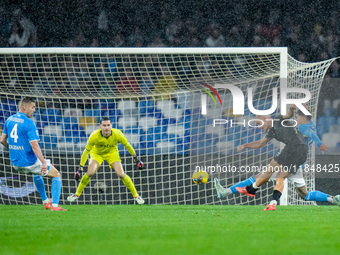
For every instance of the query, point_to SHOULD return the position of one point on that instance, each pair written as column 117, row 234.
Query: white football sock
column 255, row 186
column 273, row 202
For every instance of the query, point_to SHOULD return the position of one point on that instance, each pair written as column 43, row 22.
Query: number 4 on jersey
column 14, row 133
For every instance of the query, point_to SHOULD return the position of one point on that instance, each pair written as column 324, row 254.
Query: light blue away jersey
column 20, row 131
column 308, row 130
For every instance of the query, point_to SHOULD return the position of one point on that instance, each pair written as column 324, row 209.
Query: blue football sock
column 40, row 185
column 56, row 189
column 247, row 182
column 317, row 196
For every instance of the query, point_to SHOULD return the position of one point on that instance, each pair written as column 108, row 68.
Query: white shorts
column 296, row 179
column 33, row 169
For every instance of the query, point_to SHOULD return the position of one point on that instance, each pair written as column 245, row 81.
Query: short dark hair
column 26, row 100
column 104, row 119
column 300, row 113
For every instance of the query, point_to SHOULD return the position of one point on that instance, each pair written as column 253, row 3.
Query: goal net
column 164, row 102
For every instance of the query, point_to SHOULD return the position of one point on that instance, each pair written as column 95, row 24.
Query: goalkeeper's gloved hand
column 77, row 175
column 139, row 163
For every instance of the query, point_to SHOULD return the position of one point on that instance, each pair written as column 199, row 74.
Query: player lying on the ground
column 308, row 130
column 25, row 153
column 102, row 145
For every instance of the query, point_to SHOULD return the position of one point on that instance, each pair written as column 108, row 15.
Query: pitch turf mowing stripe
column 169, row 229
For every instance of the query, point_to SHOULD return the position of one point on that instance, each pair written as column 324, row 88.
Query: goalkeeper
column 102, row 145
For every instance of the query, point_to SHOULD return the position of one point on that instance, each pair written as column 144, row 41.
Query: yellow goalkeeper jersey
column 100, row 145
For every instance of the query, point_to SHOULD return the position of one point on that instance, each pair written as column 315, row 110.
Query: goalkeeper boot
column 48, row 205
column 58, row 208
column 72, row 198
column 139, row 200
column 336, row 200
column 243, row 190
column 271, row 206
column 221, row 192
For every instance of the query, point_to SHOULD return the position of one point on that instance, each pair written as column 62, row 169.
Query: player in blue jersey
column 20, row 136
column 308, row 130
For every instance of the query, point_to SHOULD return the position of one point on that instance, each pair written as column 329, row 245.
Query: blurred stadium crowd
column 310, row 30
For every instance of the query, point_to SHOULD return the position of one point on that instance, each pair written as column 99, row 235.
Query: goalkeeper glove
column 139, row 163
column 77, row 175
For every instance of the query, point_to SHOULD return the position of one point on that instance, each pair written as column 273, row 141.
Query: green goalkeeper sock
column 83, row 183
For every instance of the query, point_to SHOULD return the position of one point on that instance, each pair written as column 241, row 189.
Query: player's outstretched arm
column 323, row 148
column 90, row 143
column 312, row 134
column 77, row 176
column 122, row 139
column 318, row 142
column 254, row 145
column 37, row 151
column 84, row 157
column 290, row 112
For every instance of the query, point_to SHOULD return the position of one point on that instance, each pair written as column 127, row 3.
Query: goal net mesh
column 156, row 100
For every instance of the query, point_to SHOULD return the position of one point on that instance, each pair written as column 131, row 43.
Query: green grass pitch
column 169, row 229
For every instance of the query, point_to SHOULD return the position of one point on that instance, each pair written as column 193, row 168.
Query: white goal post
column 154, row 95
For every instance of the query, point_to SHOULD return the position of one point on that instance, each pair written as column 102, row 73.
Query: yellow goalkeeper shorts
column 109, row 158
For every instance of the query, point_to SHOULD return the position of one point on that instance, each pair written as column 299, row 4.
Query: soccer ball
column 200, row 177
column 100, row 186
